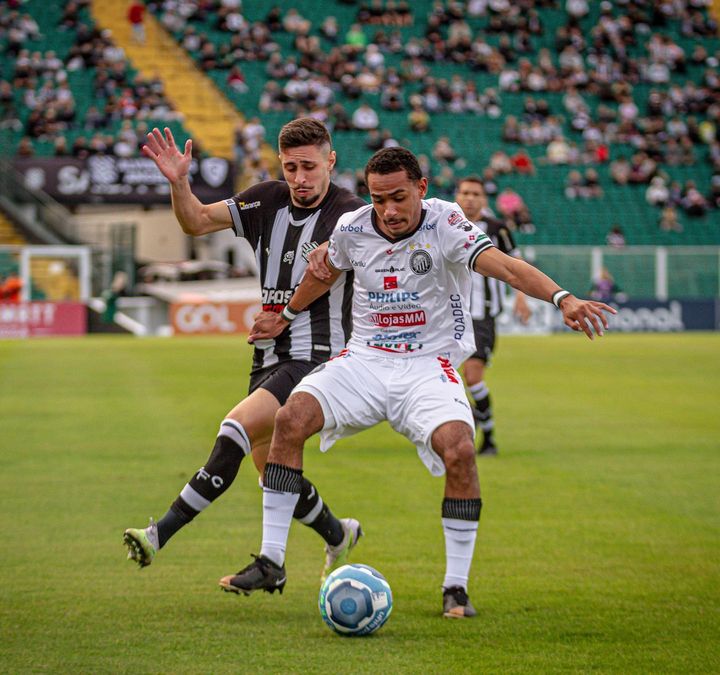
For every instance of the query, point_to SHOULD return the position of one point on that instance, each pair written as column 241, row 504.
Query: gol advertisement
column 219, row 318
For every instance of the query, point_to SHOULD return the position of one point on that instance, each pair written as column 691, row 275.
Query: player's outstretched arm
column 270, row 325
column 580, row 315
column 194, row 217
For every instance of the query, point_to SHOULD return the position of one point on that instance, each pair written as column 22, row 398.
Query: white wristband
column 288, row 314
column 558, row 297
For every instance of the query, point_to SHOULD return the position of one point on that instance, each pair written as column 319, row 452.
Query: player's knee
column 459, row 457
column 294, row 421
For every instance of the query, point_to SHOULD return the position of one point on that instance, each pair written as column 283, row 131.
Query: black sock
column 311, row 511
column 211, row 481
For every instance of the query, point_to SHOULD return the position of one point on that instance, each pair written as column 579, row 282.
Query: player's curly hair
column 390, row 160
column 303, row 131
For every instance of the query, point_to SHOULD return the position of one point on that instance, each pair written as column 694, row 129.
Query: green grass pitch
column 599, row 544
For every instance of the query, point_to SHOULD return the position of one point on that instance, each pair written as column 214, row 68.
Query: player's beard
column 306, row 201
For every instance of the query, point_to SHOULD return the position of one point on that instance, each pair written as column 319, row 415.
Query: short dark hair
column 390, row 160
column 303, row 131
column 471, row 179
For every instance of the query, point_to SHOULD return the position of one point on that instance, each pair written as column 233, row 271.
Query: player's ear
column 423, row 187
column 332, row 158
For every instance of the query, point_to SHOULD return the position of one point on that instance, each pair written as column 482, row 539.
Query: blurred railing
column 638, row 271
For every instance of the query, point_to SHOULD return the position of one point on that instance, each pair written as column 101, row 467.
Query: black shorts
column 484, row 330
column 281, row 378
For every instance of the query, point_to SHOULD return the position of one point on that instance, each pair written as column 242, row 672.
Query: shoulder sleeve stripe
column 235, row 215
column 482, row 246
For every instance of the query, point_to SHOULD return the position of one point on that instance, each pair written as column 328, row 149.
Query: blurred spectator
column 604, row 288
column 522, row 163
column 10, row 288
column 657, row 193
column 418, row 118
column 136, row 17
column 693, row 203
column 365, row 118
column 443, row 150
column 669, row 220
column 615, row 238
column 500, row 163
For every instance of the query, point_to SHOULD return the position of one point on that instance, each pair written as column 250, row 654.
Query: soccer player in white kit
column 412, row 260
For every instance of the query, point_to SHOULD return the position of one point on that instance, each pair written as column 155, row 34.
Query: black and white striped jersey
column 282, row 235
column 486, row 296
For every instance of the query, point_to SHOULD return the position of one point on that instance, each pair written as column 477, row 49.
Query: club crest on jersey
column 307, row 248
column 420, row 262
column 289, row 257
column 389, row 283
column 454, row 218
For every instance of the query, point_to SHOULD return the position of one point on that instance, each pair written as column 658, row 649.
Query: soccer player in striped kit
column 486, row 303
column 412, row 258
column 283, row 221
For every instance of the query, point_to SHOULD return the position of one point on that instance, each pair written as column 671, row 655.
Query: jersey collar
column 392, row 240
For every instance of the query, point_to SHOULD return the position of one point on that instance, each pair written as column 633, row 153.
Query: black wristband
column 558, row 297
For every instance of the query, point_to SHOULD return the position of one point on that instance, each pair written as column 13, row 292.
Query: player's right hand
column 267, row 326
column 317, row 266
column 162, row 150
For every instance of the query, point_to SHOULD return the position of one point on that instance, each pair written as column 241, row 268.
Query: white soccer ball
column 355, row 600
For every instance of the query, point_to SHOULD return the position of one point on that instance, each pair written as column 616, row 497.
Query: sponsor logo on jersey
column 392, row 319
column 400, row 296
column 392, row 269
column 351, row 228
column 454, row 218
column 389, row 283
column 448, row 372
column 307, row 248
column 420, row 262
column 397, row 337
column 465, row 226
column 357, row 263
column 458, row 316
column 244, row 206
column 396, row 347
column 274, row 299
column 427, row 226
column 289, row 257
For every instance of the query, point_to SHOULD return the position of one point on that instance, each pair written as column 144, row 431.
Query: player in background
column 412, row 258
column 486, row 303
column 283, row 221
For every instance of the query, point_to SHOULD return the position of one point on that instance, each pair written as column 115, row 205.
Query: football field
column 599, row 543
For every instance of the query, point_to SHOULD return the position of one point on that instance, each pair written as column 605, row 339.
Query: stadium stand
column 522, row 93
column 68, row 89
column 472, row 65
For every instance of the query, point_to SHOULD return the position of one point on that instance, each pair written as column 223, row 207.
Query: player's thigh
column 351, row 391
column 257, row 413
column 431, row 394
column 453, row 442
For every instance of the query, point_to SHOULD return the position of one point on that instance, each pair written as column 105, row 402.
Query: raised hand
column 173, row 164
column 585, row 315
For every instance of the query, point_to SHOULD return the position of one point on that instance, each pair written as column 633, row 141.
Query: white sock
column 278, row 510
column 460, row 538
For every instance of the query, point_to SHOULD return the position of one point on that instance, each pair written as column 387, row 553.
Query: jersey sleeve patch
column 235, row 215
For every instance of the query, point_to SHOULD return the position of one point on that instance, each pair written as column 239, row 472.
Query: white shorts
column 416, row 395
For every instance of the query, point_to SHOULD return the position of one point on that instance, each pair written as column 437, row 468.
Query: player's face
column 307, row 172
column 397, row 201
column 471, row 198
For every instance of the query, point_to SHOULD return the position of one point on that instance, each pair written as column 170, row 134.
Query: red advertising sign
column 34, row 319
column 203, row 318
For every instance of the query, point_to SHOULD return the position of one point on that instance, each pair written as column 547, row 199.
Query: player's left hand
column 267, row 326
column 585, row 315
column 317, row 266
column 521, row 309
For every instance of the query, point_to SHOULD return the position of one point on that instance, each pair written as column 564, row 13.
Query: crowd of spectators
column 121, row 102
column 350, row 77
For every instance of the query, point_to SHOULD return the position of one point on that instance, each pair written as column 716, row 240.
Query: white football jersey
column 411, row 295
